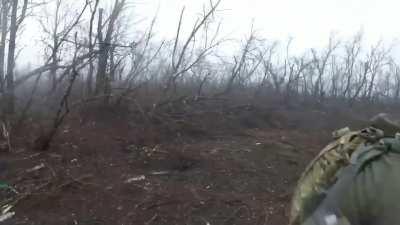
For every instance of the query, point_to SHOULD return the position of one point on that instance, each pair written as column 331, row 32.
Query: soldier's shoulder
column 386, row 149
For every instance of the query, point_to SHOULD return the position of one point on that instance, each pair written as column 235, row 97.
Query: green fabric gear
column 320, row 175
column 4, row 185
column 368, row 191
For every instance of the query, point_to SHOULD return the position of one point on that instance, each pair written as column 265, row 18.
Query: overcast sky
column 309, row 22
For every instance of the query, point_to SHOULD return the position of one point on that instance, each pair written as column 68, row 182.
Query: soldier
column 367, row 191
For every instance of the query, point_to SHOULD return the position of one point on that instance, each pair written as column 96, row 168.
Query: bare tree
column 296, row 69
column 4, row 31
column 14, row 24
column 265, row 68
column 352, row 52
column 141, row 57
column 240, row 63
column 395, row 70
column 89, row 81
column 43, row 141
column 320, row 63
column 360, row 83
column 377, row 57
column 185, row 57
column 103, row 79
column 57, row 28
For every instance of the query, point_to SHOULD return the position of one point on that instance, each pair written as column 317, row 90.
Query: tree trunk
column 54, row 50
column 104, row 82
column 112, row 64
column 89, row 84
column 100, row 77
column 4, row 26
column 371, row 86
column 53, row 70
column 11, row 60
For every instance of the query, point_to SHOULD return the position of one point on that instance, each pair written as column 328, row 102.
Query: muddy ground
column 108, row 170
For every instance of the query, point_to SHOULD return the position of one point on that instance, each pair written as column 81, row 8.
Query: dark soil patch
column 113, row 171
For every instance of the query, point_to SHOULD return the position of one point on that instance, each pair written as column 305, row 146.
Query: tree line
column 89, row 56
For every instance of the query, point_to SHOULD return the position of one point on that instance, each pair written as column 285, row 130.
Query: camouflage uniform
column 367, row 191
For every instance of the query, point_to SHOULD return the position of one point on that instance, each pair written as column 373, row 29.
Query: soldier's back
column 367, row 191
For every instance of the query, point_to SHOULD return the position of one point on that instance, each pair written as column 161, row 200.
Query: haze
column 309, row 22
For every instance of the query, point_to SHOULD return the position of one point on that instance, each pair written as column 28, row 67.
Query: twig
column 53, row 172
column 172, row 202
column 228, row 220
column 152, row 219
column 75, row 180
column 35, row 168
column 26, row 195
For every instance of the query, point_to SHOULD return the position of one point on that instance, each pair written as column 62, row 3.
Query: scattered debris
column 6, row 216
column 66, row 130
column 215, row 150
column 160, row 172
column 31, row 156
column 38, row 167
column 152, row 219
column 133, row 179
column 54, row 155
column 109, row 188
column 159, row 191
column 5, row 209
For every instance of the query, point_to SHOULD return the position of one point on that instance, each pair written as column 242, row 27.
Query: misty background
column 310, row 23
column 161, row 57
